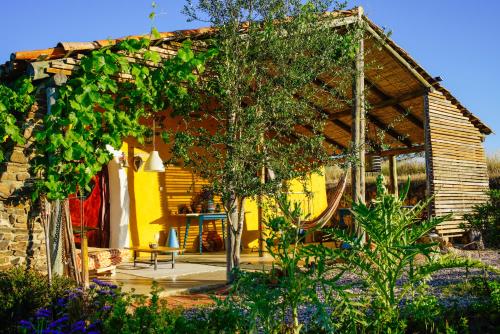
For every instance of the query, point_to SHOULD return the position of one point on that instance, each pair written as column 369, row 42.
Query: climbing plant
column 105, row 101
column 15, row 101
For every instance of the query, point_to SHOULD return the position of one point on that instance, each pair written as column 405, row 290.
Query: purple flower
column 95, row 324
column 25, row 324
column 99, row 282
column 43, row 313
column 78, row 326
column 61, row 302
column 58, row 322
column 106, row 308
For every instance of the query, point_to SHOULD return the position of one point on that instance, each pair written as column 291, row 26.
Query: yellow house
column 149, row 207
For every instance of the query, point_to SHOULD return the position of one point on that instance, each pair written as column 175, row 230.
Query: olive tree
column 256, row 96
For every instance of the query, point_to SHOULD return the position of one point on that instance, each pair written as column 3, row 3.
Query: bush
column 425, row 314
column 23, row 292
column 104, row 308
column 485, row 219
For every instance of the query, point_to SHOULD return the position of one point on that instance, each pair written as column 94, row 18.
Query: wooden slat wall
column 181, row 186
column 457, row 171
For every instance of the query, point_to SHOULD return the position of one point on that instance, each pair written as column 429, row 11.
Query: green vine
column 105, row 101
column 15, row 101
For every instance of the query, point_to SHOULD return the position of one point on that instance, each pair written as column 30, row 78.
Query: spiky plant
column 387, row 261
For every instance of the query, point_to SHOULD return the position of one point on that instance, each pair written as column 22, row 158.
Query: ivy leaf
column 185, row 54
column 155, row 33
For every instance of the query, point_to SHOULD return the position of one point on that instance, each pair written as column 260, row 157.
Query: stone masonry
column 21, row 234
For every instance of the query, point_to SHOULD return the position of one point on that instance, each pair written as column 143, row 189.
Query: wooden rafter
column 322, row 111
column 399, row 150
column 344, row 126
column 388, row 101
column 390, row 131
column 397, row 103
column 328, row 139
column 372, row 118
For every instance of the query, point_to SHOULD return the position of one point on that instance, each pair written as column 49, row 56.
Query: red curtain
column 95, row 212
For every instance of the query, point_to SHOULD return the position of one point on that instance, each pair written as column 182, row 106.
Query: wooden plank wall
column 457, row 170
column 181, row 186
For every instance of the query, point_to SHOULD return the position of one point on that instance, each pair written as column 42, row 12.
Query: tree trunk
column 236, row 217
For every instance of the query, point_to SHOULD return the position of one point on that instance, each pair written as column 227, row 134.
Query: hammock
column 333, row 204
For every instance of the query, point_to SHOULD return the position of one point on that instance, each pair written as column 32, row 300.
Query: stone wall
column 21, row 234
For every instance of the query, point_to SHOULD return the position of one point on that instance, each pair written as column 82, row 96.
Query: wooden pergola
column 406, row 103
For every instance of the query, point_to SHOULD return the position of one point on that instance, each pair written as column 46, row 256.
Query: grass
column 413, row 167
column 494, row 165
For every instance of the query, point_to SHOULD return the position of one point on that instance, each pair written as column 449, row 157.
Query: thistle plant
column 393, row 263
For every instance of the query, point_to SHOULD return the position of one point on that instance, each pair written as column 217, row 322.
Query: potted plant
column 207, row 197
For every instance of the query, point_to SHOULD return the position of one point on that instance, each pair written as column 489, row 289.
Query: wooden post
column 393, row 175
column 260, row 217
column 428, row 156
column 85, row 259
column 84, row 250
column 358, row 125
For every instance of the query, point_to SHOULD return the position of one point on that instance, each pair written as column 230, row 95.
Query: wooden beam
column 393, row 174
column 388, row 101
column 397, row 151
column 372, row 118
column 383, row 40
column 398, row 107
column 328, row 139
column 322, row 111
column 390, row 131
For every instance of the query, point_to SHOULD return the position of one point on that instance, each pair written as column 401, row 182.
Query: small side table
column 154, row 252
column 201, row 218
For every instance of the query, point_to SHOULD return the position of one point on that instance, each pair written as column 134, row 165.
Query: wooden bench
column 154, row 252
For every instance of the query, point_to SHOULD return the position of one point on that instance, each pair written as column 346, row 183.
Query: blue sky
column 454, row 39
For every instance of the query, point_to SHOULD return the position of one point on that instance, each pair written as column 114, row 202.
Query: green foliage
column 390, row 255
column 23, row 292
column 257, row 79
column 422, row 313
column 261, row 79
column 271, row 296
column 426, row 314
column 299, row 278
column 485, row 219
column 150, row 316
column 104, row 102
column 15, row 101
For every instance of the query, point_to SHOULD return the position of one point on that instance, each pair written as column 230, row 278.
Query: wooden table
column 201, row 218
column 154, row 252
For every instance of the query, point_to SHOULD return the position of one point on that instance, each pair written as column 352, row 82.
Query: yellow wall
column 312, row 205
column 156, row 197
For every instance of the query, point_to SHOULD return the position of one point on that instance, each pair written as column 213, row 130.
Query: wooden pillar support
column 393, row 175
column 358, row 123
column 358, row 126
column 261, row 214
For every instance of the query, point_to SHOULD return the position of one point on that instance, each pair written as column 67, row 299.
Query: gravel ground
column 439, row 284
